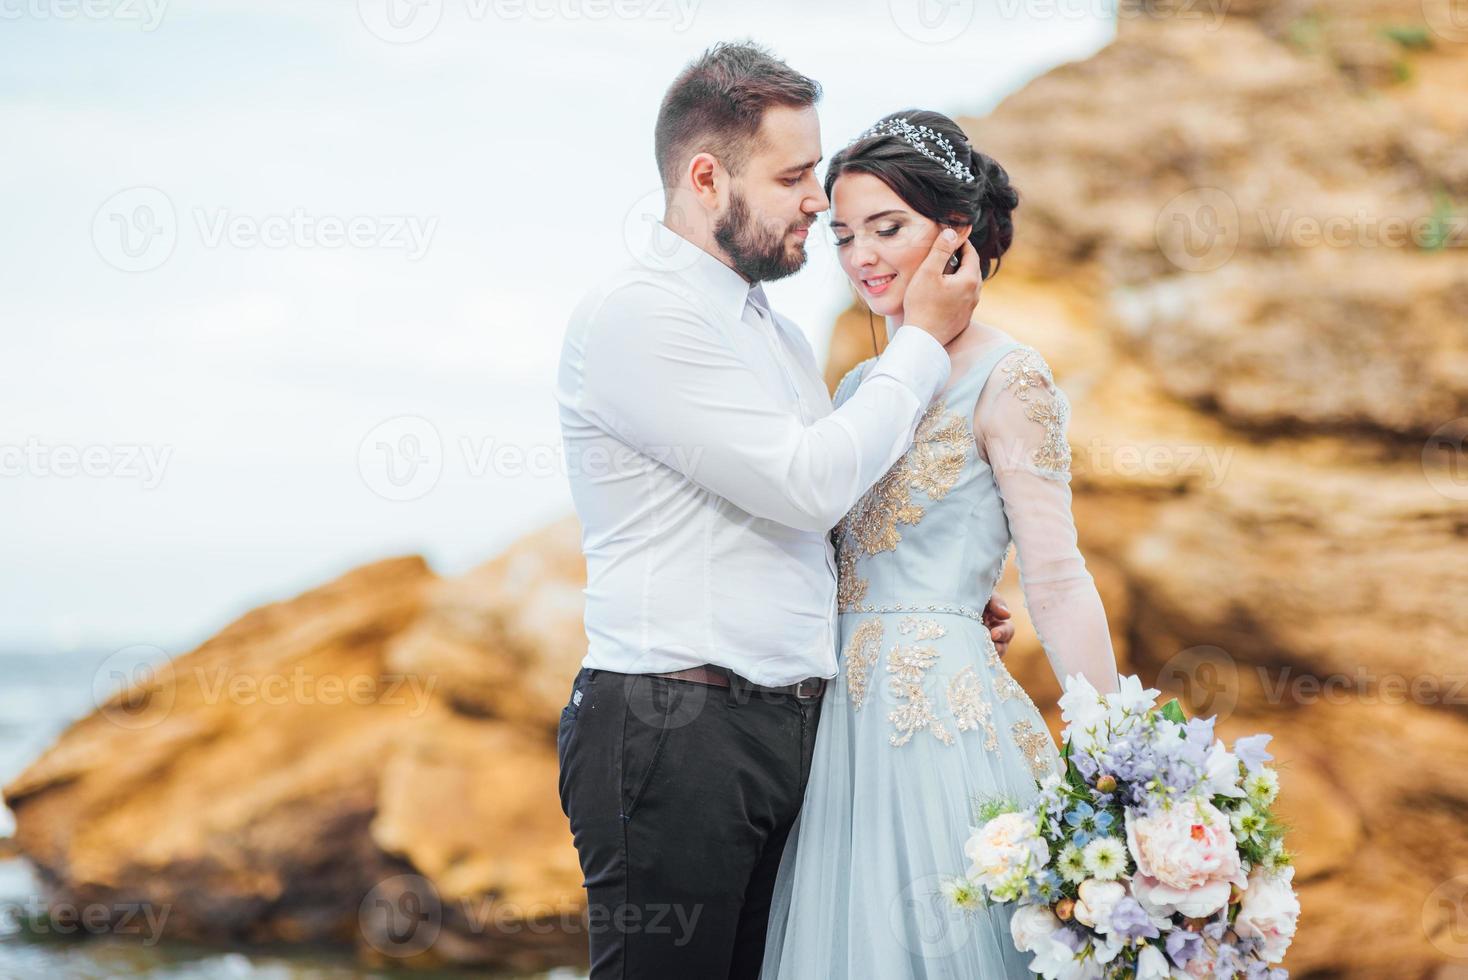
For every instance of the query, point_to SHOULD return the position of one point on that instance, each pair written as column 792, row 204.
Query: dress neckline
column 985, row 360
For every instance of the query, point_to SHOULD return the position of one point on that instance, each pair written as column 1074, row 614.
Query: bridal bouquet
column 1154, row 856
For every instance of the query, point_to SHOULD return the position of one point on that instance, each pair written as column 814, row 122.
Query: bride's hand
column 996, row 617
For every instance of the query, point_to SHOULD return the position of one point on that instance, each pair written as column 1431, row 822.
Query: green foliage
column 1306, row 33
column 1173, row 711
column 1413, row 37
column 986, row 808
column 1441, row 225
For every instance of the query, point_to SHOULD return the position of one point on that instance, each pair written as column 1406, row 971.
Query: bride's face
column 879, row 239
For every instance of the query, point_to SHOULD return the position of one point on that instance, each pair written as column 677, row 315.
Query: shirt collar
column 727, row 288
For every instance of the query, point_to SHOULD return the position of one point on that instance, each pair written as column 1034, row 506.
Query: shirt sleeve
column 1022, row 417
column 658, row 375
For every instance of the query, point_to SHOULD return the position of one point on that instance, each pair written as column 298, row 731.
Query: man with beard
column 708, row 467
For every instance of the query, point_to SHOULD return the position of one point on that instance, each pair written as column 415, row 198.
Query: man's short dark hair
column 717, row 102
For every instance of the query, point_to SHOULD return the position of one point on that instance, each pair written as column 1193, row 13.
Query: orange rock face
column 371, row 763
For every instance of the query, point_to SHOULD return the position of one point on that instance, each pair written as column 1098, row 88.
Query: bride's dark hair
column 987, row 204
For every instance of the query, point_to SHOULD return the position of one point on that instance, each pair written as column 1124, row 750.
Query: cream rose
column 1003, row 845
column 1097, row 899
column 1032, row 925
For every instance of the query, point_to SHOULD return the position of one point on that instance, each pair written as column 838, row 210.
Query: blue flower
column 1087, row 822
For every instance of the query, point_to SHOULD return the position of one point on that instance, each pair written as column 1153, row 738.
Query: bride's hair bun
column 994, row 228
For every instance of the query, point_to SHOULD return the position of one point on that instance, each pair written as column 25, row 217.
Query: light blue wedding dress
column 923, row 720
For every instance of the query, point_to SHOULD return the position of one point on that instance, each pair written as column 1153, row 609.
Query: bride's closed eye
column 882, row 232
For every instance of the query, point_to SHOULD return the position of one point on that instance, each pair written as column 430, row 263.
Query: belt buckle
column 817, row 686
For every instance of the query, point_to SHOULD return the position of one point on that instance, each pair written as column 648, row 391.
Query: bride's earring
column 953, row 262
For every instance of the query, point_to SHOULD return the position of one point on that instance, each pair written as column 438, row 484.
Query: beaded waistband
column 957, row 609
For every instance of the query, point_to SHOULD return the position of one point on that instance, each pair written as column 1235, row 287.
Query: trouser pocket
column 566, row 729
column 644, row 734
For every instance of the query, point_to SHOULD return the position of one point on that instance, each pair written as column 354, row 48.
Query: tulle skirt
column 921, row 724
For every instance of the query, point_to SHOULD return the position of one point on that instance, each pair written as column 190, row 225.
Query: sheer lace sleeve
column 1021, row 419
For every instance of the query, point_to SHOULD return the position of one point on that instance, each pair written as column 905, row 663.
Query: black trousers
column 680, row 796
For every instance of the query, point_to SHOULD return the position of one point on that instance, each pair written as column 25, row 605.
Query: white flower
column 1246, row 823
column 1096, row 902
column 1262, row 785
column 1031, row 925
column 1221, row 775
column 1072, row 864
column 1054, row 960
column 1008, row 887
column 1269, row 911
column 1082, row 710
column 961, row 893
column 1007, row 845
column 1168, row 736
column 1105, row 858
column 1152, row 964
column 1130, row 698
column 1107, row 946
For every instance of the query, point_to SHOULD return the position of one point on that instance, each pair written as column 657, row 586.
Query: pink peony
column 1186, row 859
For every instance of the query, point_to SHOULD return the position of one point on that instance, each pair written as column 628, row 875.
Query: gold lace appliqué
column 932, row 465
column 851, row 588
column 1029, row 373
column 1039, row 750
column 970, row 710
column 861, row 657
column 909, row 666
column 1005, row 686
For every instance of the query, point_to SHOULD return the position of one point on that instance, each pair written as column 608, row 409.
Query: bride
column 923, row 720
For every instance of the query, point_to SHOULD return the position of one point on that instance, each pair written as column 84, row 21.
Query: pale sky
column 252, row 248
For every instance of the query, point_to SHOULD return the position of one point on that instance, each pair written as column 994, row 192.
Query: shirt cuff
column 916, row 360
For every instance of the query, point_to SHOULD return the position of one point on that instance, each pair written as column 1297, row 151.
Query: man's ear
column 708, row 180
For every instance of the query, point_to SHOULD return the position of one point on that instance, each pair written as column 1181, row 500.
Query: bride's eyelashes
column 881, row 232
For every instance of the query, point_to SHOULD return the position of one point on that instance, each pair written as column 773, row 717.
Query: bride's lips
column 877, row 285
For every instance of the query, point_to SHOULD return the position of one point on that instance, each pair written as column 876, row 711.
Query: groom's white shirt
column 707, row 466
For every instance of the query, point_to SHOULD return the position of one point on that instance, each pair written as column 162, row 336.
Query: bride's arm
column 1020, row 420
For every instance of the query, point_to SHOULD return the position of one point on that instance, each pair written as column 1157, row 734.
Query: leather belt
column 810, row 687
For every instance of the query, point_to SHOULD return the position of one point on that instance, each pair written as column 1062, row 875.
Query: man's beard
column 758, row 253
